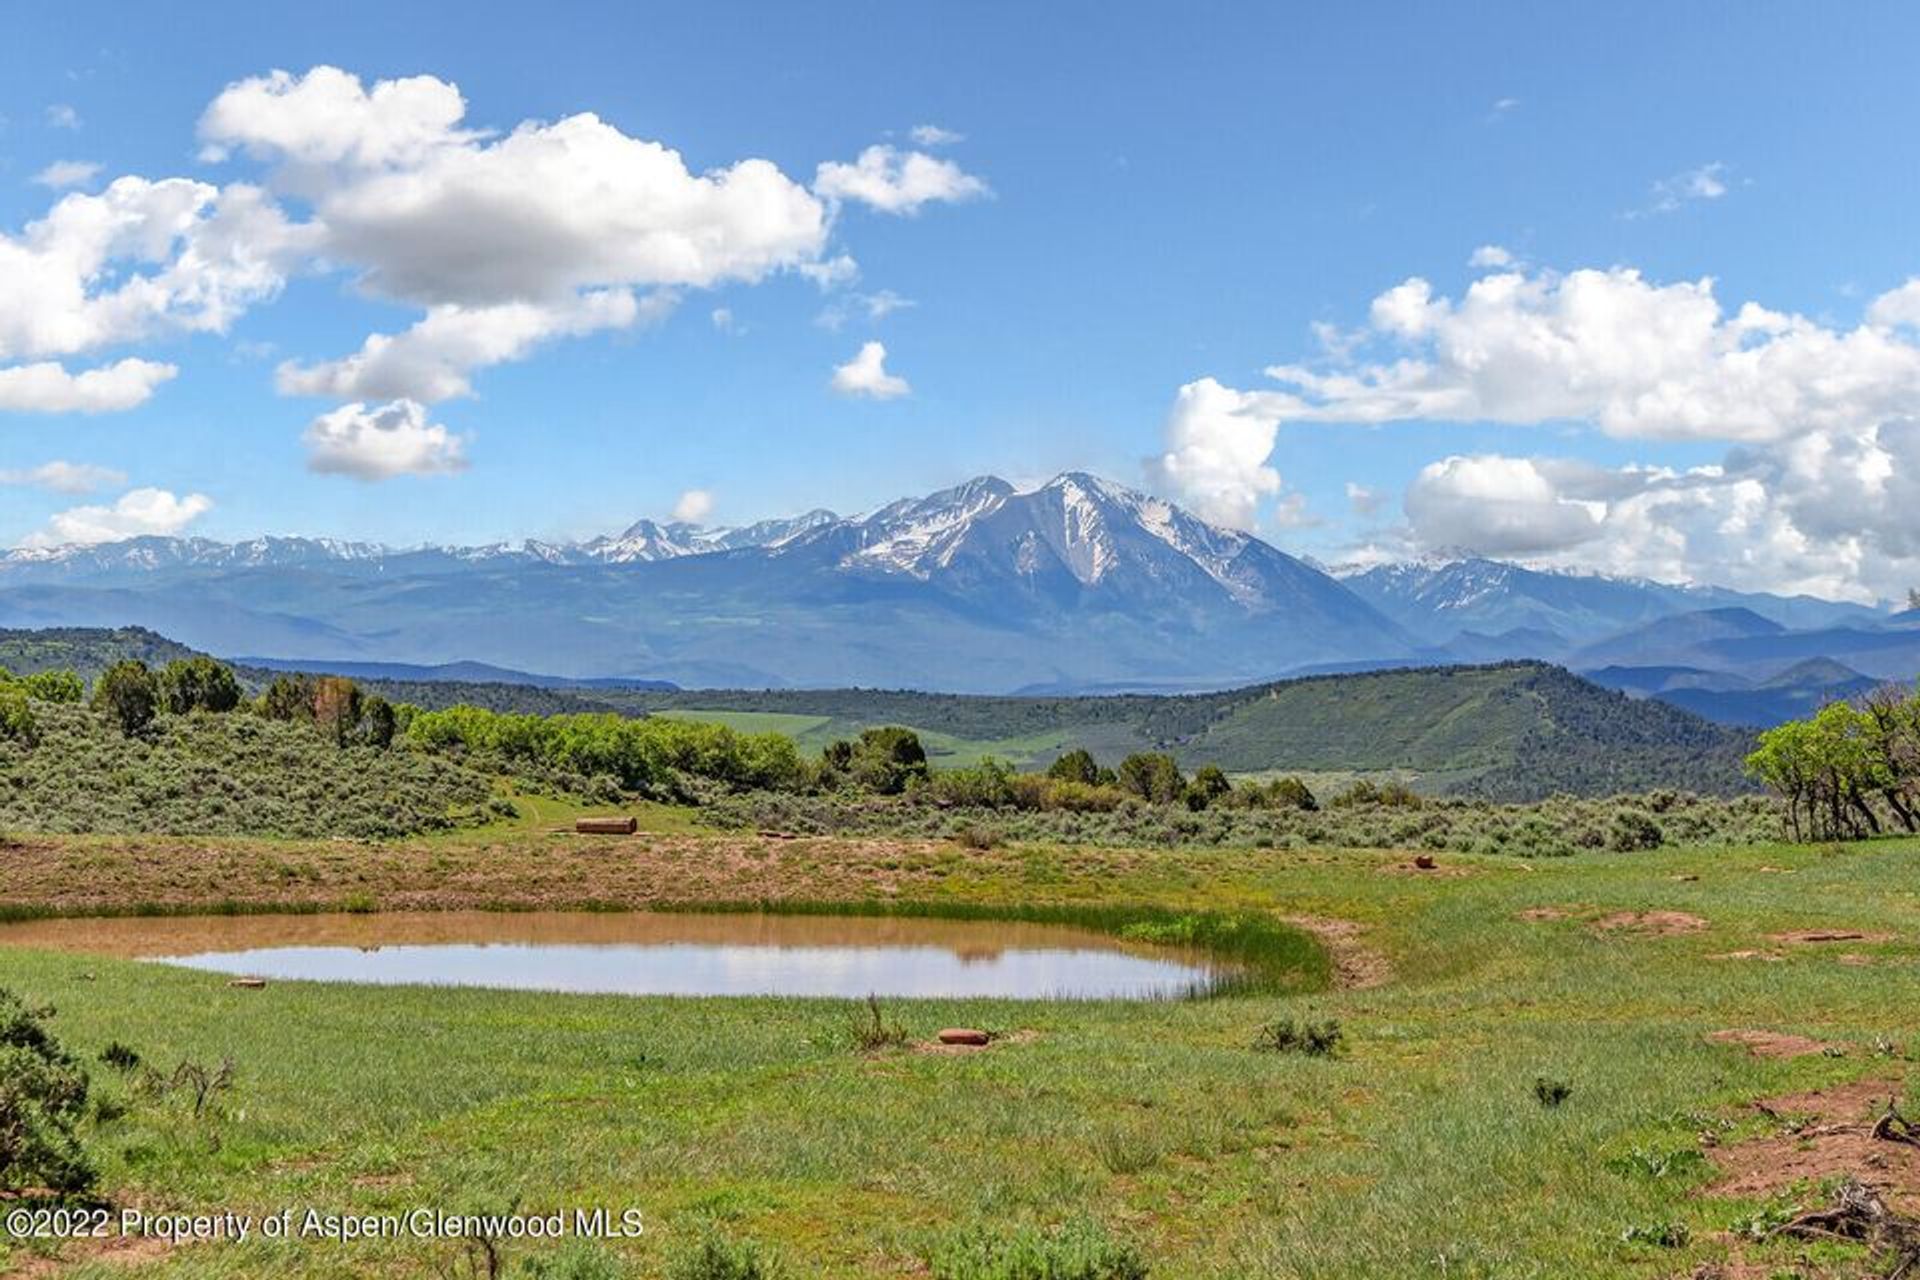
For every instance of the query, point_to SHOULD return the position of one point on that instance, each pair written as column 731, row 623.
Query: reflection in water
column 646, row 953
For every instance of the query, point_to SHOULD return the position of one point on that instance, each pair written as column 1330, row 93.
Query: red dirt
column 1770, row 1044
column 1829, row 1136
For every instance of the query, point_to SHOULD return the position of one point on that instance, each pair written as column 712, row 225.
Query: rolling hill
column 1515, row 731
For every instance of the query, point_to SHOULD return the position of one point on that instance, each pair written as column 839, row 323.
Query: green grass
column 1418, row 1151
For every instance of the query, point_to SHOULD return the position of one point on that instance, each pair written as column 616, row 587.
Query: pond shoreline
column 96, row 876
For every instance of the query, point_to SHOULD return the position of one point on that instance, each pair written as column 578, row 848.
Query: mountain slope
column 1439, row 600
column 980, row 587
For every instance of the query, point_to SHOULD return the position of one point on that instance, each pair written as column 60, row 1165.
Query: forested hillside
column 1515, row 731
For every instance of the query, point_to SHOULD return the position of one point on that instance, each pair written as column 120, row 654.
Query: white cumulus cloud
column 1819, row 421
column 379, row 442
column 1609, row 347
column 434, row 359
column 431, row 212
column 138, row 513
column 1218, row 443
column 47, row 386
column 138, row 258
column 898, row 182
column 866, row 375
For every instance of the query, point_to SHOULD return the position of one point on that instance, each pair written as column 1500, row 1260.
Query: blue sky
column 1173, row 194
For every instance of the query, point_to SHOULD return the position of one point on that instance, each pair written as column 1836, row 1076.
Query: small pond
column 653, row 953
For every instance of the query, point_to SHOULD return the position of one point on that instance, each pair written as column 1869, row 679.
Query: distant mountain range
column 1077, row 585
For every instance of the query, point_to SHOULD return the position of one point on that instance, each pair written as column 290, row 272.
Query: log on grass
column 623, row 826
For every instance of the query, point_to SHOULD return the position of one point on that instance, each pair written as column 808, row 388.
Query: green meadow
column 765, row 1133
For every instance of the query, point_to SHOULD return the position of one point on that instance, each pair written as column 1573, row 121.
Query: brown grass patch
column 1356, row 966
column 1650, row 924
column 1769, row 1044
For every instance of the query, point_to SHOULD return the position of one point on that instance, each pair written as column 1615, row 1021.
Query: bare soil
column 1770, row 1044
column 1650, row 924
column 1825, row 1134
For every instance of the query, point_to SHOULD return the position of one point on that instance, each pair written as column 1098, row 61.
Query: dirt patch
column 114, row 1251
column 1436, row 870
column 1356, row 966
column 1000, row 1040
column 1547, row 913
column 1808, row 937
column 1770, row 1044
column 1827, row 1134
column 1746, row 955
column 1650, row 924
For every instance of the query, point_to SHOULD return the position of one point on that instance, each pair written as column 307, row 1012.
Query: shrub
column 1314, row 1039
column 1079, row 1250
column 43, row 1096
column 575, row 1260
column 717, row 1257
column 288, row 698
column 120, row 1057
column 987, row 785
column 54, row 686
column 1291, row 793
column 1078, row 765
column 872, row 1032
column 128, row 694
column 888, row 760
column 1082, row 797
column 1551, row 1093
column 969, row 835
column 1151, row 775
column 198, row 684
column 17, row 722
column 1633, row 831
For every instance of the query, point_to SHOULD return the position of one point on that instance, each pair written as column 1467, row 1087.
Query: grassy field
column 1420, row 1150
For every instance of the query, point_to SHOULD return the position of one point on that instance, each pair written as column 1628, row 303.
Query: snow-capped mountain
column 1076, row 584
column 982, row 586
column 1442, row 599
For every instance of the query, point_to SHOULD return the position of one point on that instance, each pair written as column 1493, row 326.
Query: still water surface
column 652, row 953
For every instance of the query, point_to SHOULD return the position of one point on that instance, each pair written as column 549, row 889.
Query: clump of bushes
column 1549, row 1092
column 1046, row 810
column 1307, row 1037
column 649, row 756
column 43, row 1098
column 225, row 775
